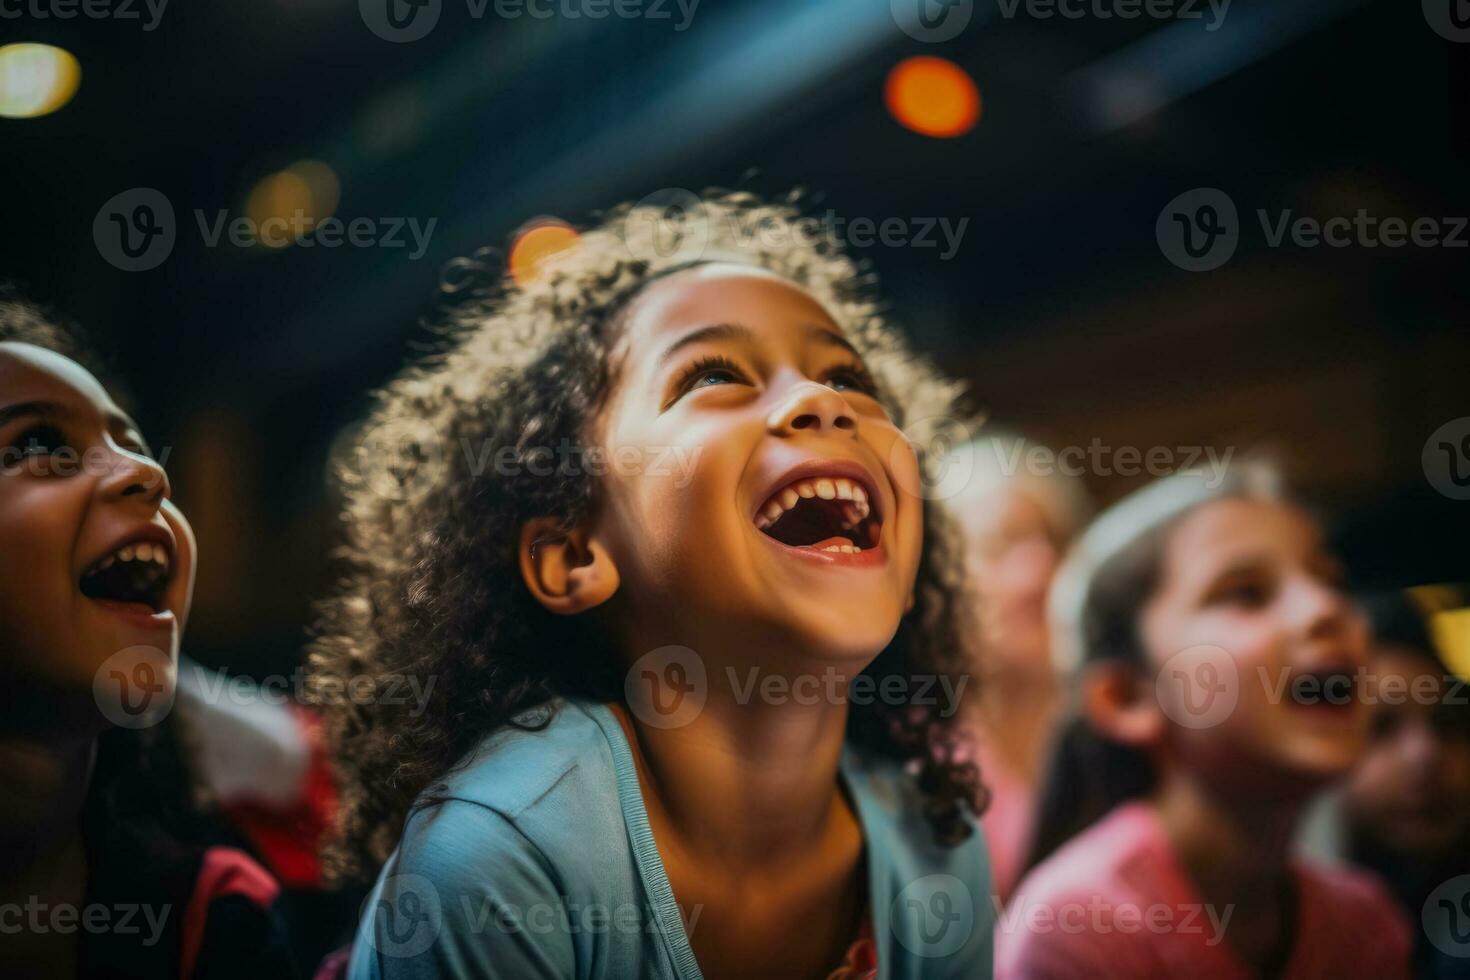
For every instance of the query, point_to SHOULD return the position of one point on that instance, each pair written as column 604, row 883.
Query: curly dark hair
column 432, row 586
column 27, row 322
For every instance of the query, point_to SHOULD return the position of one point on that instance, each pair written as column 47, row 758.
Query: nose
column 811, row 406
column 1322, row 610
column 135, row 476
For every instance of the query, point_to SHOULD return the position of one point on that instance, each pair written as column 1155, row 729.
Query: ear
column 567, row 571
column 1119, row 701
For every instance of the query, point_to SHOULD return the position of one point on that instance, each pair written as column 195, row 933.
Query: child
column 1215, row 658
column 1407, row 802
column 96, row 573
column 665, row 526
column 1017, row 522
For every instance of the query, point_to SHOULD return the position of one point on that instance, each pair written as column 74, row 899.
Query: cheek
column 38, row 531
column 674, row 500
column 909, row 490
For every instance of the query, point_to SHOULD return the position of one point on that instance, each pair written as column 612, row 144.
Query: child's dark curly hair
column 433, row 587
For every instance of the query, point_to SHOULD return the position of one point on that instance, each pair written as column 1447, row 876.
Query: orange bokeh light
column 932, row 96
column 536, row 243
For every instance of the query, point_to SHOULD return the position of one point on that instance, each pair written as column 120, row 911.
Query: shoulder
column 1357, row 917
column 514, row 768
column 544, row 796
column 528, row 826
column 934, row 900
column 1085, row 910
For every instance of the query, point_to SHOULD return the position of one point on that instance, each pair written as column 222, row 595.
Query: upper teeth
column 143, row 551
column 825, row 487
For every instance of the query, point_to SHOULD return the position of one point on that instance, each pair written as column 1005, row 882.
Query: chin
column 849, row 634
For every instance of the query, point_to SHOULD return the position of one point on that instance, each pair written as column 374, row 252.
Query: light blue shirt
column 541, row 863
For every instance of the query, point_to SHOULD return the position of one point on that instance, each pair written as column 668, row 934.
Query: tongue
column 836, row 539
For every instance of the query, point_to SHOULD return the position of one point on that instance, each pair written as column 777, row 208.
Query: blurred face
column 1253, row 578
column 1011, row 554
column 94, row 559
column 1410, row 793
column 787, row 524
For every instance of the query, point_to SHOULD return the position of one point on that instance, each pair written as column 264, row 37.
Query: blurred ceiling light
column 36, row 79
column 288, row 203
column 932, row 96
column 536, row 242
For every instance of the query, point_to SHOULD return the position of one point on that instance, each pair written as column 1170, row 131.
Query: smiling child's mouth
column 829, row 514
column 133, row 574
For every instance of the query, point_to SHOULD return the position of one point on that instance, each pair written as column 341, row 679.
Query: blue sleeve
column 465, row 895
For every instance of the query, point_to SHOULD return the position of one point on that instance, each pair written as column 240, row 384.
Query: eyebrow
column 740, row 333
column 43, row 409
column 21, row 410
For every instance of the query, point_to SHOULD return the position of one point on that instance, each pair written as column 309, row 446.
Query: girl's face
column 1011, row 555
column 1253, row 578
column 94, row 558
column 774, row 507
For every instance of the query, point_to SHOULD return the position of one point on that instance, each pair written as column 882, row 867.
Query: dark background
column 1059, row 306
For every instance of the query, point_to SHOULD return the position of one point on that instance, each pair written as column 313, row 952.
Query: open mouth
column 137, row 573
column 1324, row 689
column 832, row 514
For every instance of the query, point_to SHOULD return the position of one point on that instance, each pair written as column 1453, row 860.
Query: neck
column 41, row 800
column 744, row 783
column 1236, row 850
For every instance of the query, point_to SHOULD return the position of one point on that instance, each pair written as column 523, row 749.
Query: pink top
column 1114, row 902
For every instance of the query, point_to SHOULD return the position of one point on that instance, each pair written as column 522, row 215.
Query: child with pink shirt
column 1215, row 661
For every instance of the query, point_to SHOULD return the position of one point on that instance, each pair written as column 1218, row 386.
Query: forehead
column 1237, row 526
column 29, row 373
column 720, row 293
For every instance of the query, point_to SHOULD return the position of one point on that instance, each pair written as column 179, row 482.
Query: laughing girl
column 1215, row 654
column 100, row 875
column 667, row 556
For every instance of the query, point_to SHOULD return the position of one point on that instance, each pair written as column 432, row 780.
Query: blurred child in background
column 1407, row 802
column 1206, row 620
column 1019, row 510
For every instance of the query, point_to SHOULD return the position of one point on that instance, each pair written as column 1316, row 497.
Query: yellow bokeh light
column 536, row 243
column 289, row 203
column 36, row 79
column 932, row 96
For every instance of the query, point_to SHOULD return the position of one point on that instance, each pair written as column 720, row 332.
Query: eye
column 1248, row 592
column 135, row 444
column 40, row 440
column 852, row 377
column 708, row 372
